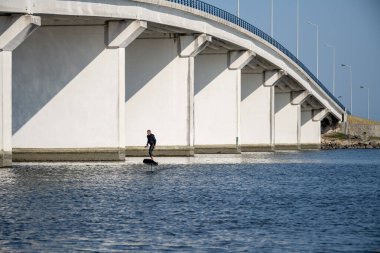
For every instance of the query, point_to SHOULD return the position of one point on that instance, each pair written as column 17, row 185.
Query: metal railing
column 210, row 9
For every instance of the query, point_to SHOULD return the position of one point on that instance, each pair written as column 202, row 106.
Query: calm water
column 324, row 201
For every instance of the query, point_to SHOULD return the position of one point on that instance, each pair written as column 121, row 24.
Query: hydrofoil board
column 150, row 162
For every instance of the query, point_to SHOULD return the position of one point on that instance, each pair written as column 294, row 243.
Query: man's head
column 148, row 132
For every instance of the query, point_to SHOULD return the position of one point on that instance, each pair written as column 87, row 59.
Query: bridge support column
column 120, row 35
column 288, row 120
column 311, row 127
column 257, row 121
column 5, row 108
column 297, row 98
column 74, row 107
column 310, row 130
column 257, row 106
column 217, row 101
column 160, row 93
column 13, row 31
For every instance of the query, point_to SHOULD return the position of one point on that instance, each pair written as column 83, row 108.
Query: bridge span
column 84, row 80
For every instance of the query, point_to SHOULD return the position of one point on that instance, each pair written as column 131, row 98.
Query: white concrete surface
column 17, row 29
column 69, row 92
column 255, row 111
column 191, row 46
column 13, row 31
column 122, row 33
column 286, row 117
column 65, row 89
column 320, row 114
column 165, row 12
column 216, row 101
column 310, row 130
column 239, row 59
column 5, row 101
column 156, row 93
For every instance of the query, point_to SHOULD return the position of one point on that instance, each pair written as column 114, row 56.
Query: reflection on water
column 288, row 201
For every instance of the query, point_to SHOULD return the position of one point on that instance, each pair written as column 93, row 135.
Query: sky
column 351, row 26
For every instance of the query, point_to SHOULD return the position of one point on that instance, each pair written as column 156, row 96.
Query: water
column 324, row 201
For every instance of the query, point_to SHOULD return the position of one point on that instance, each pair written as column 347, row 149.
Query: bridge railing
column 213, row 10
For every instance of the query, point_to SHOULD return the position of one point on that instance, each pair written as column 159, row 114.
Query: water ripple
column 288, row 202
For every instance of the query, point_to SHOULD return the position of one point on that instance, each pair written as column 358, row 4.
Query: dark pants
column 151, row 148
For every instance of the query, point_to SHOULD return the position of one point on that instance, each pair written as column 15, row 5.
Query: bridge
column 82, row 80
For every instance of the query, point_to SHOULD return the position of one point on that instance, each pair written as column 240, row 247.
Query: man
column 151, row 142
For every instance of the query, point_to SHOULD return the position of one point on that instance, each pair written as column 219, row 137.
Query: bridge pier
column 216, row 105
column 6, row 108
column 288, row 120
column 258, row 110
column 310, row 131
column 156, row 97
column 70, row 106
column 13, row 31
column 159, row 93
column 257, row 115
column 311, row 127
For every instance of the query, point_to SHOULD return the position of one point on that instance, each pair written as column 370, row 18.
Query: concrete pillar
column 287, row 127
column 160, row 92
column 237, row 61
column 310, row 130
column 13, row 31
column 258, row 110
column 120, row 35
column 217, row 103
column 256, row 115
column 74, row 107
column 297, row 98
column 5, row 108
column 190, row 48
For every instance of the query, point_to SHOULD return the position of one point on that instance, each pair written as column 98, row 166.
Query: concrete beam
column 122, row 33
column 239, row 59
column 320, row 114
column 261, row 64
column 291, row 84
column 252, row 66
column 223, row 45
column 314, row 103
column 298, row 97
column 282, row 88
column 191, row 46
column 19, row 28
column 272, row 77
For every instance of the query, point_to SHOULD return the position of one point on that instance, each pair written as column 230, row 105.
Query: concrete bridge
column 85, row 79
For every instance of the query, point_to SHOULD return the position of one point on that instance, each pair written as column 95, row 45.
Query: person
column 151, row 142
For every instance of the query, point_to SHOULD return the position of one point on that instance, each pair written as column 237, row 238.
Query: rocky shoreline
column 354, row 143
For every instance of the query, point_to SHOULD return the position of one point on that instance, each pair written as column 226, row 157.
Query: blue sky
column 352, row 26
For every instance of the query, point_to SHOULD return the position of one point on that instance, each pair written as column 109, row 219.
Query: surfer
column 151, row 142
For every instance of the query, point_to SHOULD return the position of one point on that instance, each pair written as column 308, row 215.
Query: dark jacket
column 151, row 140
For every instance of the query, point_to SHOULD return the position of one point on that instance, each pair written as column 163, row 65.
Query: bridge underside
column 86, row 88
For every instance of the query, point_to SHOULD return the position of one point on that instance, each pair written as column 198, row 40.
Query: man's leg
column 150, row 151
column 151, row 148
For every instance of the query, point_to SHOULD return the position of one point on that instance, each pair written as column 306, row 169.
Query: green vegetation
column 357, row 120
